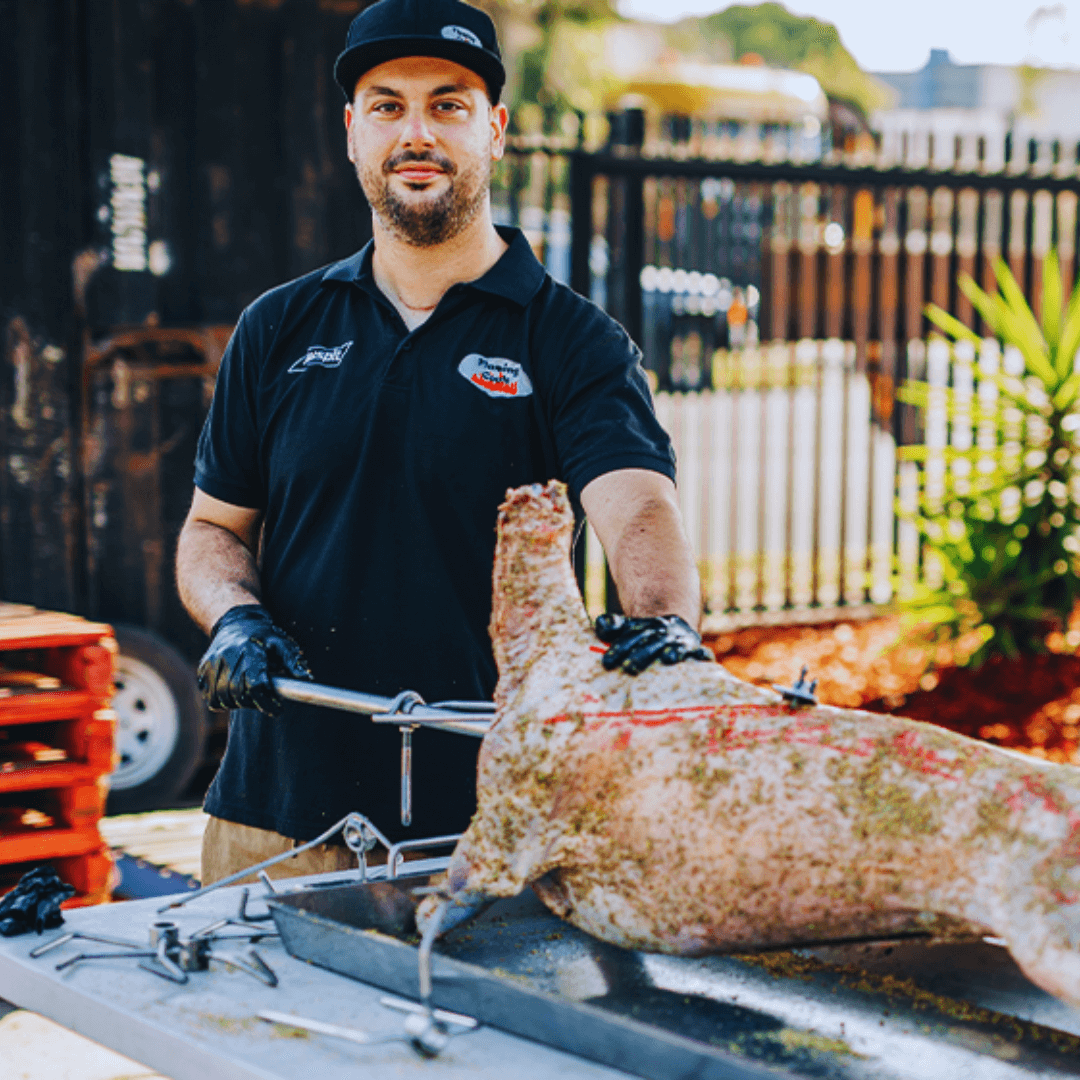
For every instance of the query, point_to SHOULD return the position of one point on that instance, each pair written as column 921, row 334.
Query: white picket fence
column 780, row 470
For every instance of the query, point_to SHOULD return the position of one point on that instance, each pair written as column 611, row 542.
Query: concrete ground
column 33, row 1048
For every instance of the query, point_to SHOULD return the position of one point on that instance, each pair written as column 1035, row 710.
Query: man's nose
column 417, row 130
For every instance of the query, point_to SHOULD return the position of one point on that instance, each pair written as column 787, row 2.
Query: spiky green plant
column 999, row 516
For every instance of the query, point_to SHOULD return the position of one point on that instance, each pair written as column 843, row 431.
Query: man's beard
column 431, row 222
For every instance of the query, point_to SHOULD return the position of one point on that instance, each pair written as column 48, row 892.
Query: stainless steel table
column 208, row 1028
column 886, row 1011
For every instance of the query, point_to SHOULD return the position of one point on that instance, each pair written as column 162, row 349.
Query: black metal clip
column 800, row 693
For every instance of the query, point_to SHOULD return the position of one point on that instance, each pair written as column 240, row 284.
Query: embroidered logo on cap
column 459, row 33
column 496, row 377
column 321, row 356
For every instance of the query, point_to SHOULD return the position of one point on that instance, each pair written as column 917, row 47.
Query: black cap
column 449, row 29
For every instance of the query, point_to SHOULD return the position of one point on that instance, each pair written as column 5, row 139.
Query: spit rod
column 465, row 717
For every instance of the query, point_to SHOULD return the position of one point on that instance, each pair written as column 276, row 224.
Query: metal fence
column 778, row 305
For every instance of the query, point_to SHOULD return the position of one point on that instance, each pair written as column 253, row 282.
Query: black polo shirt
column 379, row 457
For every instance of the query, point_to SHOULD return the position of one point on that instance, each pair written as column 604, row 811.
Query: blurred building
column 947, row 113
column 745, row 109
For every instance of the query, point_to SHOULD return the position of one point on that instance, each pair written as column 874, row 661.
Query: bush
column 998, row 508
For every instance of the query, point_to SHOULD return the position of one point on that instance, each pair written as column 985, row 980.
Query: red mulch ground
column 1032, row 705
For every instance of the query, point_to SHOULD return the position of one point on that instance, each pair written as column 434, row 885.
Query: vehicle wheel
column 161, row 723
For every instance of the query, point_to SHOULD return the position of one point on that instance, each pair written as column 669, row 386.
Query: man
column 367, row 420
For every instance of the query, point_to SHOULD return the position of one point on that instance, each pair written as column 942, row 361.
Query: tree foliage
column 770, row 30
column 785, row 40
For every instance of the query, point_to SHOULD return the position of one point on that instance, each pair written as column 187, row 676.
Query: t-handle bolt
column 801, row 693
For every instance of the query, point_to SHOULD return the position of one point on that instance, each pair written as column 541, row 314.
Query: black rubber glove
column 246, row 649
column 637, row 642
column 34, row 903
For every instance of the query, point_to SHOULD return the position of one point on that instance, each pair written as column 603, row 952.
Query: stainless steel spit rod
column 463, row 717
column 406, row 712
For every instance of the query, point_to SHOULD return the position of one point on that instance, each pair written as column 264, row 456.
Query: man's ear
column 500, row 117
column 349, row 117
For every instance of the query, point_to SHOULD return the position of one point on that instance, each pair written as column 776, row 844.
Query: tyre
column 161, row 723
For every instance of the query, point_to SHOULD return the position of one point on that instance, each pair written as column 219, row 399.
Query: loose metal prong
column 56, row 942
column 71, row 961
column 406, row 1006
column 74, row 935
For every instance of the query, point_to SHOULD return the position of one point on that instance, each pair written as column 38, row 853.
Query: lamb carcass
column 685, row 811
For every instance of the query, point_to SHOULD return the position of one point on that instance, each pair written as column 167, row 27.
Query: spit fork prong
column 71, row 961
column 429, row 1035
column 73, row 935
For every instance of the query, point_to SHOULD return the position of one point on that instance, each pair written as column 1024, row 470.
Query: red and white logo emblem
column 497, row 378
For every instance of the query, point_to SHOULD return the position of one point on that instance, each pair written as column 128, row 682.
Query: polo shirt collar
column 355, row 268
column 517, row 276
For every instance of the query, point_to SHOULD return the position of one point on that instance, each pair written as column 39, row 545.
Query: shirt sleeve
column 227, row 461
column 598, row 402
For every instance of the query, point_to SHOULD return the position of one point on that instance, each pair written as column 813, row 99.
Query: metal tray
column 909, row 1009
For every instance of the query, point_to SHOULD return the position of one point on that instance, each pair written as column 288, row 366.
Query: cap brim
column 360, row 59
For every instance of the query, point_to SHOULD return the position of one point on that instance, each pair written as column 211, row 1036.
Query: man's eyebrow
column 450, row 88
column 382, row 91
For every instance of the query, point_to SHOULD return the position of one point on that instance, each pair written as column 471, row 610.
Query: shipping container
column 164, row 162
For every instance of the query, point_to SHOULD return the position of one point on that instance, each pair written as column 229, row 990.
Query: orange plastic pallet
column 60, row 774
column 77, row 806
column 76, row 718
column 90, row 874
column 88, row 740
column 47, row 705
column 22, row 628
column 39, row 845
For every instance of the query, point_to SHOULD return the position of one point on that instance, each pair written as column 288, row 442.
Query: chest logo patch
column 321, row 356
column 496, row 377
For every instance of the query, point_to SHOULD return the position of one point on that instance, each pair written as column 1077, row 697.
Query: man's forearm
column 215, row 571
column 653, row 566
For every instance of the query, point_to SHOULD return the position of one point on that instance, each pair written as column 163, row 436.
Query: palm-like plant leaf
column 1066, row 395
column 1016, row 327
column 952, row 325
column 1051, row 307
column 999, row 518
column 1027, row 328
column 1069, row 340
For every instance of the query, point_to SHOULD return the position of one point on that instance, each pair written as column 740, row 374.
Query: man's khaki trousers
column 228, row 847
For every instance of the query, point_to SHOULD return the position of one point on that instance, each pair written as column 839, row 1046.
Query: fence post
column 635, row 255
column 581, row 223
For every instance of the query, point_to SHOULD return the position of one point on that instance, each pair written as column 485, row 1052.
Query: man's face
column 422, row 135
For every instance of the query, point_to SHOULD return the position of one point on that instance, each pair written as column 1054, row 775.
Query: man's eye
column 386, row 107
column 448, row 106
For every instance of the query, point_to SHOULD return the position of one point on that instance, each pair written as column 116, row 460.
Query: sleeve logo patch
column 321, row 356
column 460, row 33
column 496, row 377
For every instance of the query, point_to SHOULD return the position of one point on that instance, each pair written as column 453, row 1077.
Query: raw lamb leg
column 685, row 811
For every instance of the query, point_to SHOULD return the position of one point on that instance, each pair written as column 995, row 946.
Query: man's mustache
column 391, row 164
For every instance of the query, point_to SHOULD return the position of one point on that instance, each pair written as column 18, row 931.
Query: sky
column 898, row 35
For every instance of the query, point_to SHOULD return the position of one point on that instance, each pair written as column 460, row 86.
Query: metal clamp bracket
column 802, row 693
